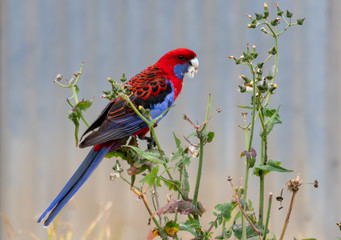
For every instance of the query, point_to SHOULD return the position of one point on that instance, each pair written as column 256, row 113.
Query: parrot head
column 181, row 62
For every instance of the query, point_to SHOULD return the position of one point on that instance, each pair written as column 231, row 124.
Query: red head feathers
column 177, row 64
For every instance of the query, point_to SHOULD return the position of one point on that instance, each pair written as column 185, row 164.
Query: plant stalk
column 247, row 167
column 267, row 217
column 288, row 215
column 201, row 153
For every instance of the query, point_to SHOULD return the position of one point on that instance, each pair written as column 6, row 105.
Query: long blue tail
column 76, row 181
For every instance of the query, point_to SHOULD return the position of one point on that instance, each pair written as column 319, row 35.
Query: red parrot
column 155, row 88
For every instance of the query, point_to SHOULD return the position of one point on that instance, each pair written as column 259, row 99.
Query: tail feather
column 89, row 164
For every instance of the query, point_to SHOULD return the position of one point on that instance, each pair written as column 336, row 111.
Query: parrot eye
column 181, row 57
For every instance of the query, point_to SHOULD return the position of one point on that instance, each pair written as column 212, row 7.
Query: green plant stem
column 197, row 183
column 247, row 167
column 267, row 217
column 156, row 197
column 223, row 227
column 261, row 199
column 261, row 173
column 129, row 183
column 180, row 178
column 275, row 35
column 201, row 154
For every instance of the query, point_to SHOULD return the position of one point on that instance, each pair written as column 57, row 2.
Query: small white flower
column 194, row 150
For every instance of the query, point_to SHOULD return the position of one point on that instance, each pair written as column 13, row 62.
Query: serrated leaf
column 178, row 146
column 226, row 209
column 184, row 227
column 269, row 112
column 84, row 104
column 186, row 160
column 177, row 142
column 151, row 177
column 171, row 184
column 270, row 166
column 151, row 156
column 192, row 223
column 270, row 122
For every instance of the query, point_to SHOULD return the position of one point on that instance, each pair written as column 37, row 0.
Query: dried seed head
column 58, row 77
column 294, row 184
column 316, row 184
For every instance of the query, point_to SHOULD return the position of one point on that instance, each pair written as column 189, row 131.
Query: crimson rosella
column 155, row 88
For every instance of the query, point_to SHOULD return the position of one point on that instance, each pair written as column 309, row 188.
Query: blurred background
column 40, row 39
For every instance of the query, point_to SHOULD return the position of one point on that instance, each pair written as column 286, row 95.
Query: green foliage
column 261, row 87
column 151, row 177
column 76, row 113
column 271, row 165
column 225, row 209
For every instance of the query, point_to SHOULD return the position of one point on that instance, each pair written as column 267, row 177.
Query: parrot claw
column 150, row 140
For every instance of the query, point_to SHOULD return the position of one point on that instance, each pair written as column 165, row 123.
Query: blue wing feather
column 89, row 164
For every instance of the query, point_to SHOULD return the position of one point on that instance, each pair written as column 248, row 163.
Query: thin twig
column 242, row 210
column 288, row 215
column 157, row 201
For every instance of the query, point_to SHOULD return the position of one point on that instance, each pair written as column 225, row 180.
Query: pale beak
column 192, row 68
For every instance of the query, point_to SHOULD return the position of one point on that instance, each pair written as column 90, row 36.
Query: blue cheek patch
column 181, row 69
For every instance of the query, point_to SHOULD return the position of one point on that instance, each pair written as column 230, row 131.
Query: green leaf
column 118, row 153
column 270, row 166
column 246, row 107
column 185, row 160
column 73, row 116
column 171, row 184
column 172, row 228
column 289, row 14
column 76, row 88
column 300, row 21
column 226, row 209
column 152, row 176
column 190, row 225
column 270, row 122
column 84, row 104
column 151, row 156
column 269, row 112
column 210, row 136
column 250, row 232
column 177, row 142
column 178, row 146
column 186, row 186
column 192, row 222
